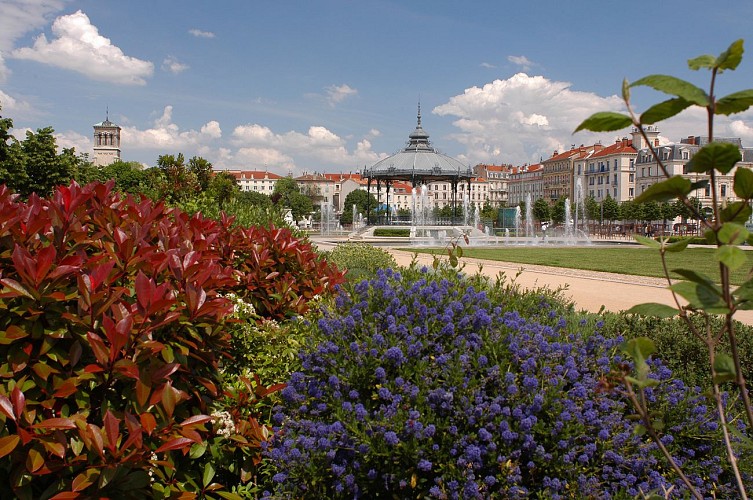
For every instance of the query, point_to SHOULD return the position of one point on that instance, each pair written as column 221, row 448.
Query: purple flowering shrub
column 425, row 388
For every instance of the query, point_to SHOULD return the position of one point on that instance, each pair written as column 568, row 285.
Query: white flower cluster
column 241, row 309
column 224, row 423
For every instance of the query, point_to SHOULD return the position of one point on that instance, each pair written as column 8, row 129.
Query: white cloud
column 71, row 139
column 18, row 17
column 166, row 135
column 174, row 66
column 521, row 61
column 212, row 129
column 744, row 130
column 338, row 93
column 521, row 119
column 259, row 145
column 201, row 34
column 78, row 46
column 13, row 106
column 487, row 65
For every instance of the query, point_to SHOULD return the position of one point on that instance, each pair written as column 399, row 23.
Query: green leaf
column 197, row 450
column 705, row 61
column 459, row 251
column 695, row 277
column 744, row 295
column 664, row 110
column 731, row 256
column 676, row 87
column 605, row 121
column 639, row 430
column 744, row 183
column 734, row 103
column 739, row 211
column 724, row 367
column 647, row 242
column 666, row 190
column 730, row 58
column 208, row 474
column 677, row 246
column 732, row 234
column 229, row 495
column 653, row 309
column 701, row 296
column 720, row 156
column 639, row 348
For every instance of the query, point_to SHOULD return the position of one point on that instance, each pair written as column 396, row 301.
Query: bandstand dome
column 418, row 163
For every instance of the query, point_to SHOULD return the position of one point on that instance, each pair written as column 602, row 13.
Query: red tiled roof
column 341, row 177
column 624, row 146
column 253, row 174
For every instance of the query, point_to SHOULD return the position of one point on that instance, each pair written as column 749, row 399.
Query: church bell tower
column 106, row 142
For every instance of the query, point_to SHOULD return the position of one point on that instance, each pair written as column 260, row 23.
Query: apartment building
column 318, row 187
column 675, row 158
column 609, row 171
column 524, row 181
column 340, row 191
column 558, row 172
column 261, row 181
column 497, row 177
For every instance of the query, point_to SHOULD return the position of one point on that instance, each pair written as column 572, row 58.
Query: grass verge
column 635, row 260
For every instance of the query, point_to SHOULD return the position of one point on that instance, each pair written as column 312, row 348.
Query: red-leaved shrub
column 112, row 334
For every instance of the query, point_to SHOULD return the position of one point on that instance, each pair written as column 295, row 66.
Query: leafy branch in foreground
column 697, row 293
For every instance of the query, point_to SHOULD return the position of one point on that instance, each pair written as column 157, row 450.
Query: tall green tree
column 593, row 208
column 611, row 209
column 288, row 193
column 178, row 182
column 541, row 210
column 651, row 211
column 558, row 211
column 44, row 168
column 12, row 169
column 202, row 169
column 360, row 198
column 222, row 188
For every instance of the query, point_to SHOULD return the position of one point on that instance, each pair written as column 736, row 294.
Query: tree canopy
column 360, row 198
column 288, row 193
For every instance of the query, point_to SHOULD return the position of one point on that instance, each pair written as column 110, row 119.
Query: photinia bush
column 426, row 389
column 112, row 336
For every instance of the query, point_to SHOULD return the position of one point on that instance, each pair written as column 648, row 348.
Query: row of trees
column 610, row 210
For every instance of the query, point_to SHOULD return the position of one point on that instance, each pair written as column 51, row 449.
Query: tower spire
column 419, row 113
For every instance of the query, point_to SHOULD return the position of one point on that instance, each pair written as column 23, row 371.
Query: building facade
column 609, row 171
column 106, row 143
column 260, row 181
column 523, row 182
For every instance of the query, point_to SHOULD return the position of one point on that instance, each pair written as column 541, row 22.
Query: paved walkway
column 589, row 290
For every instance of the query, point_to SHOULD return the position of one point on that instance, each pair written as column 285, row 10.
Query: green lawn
column 633, row 259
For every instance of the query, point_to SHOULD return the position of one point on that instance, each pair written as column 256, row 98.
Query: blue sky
column 333, row 85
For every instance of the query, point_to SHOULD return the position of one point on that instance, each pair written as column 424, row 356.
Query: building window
column 631, row 191
column 632, row 178
column 707, row 191
column 724, row 190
